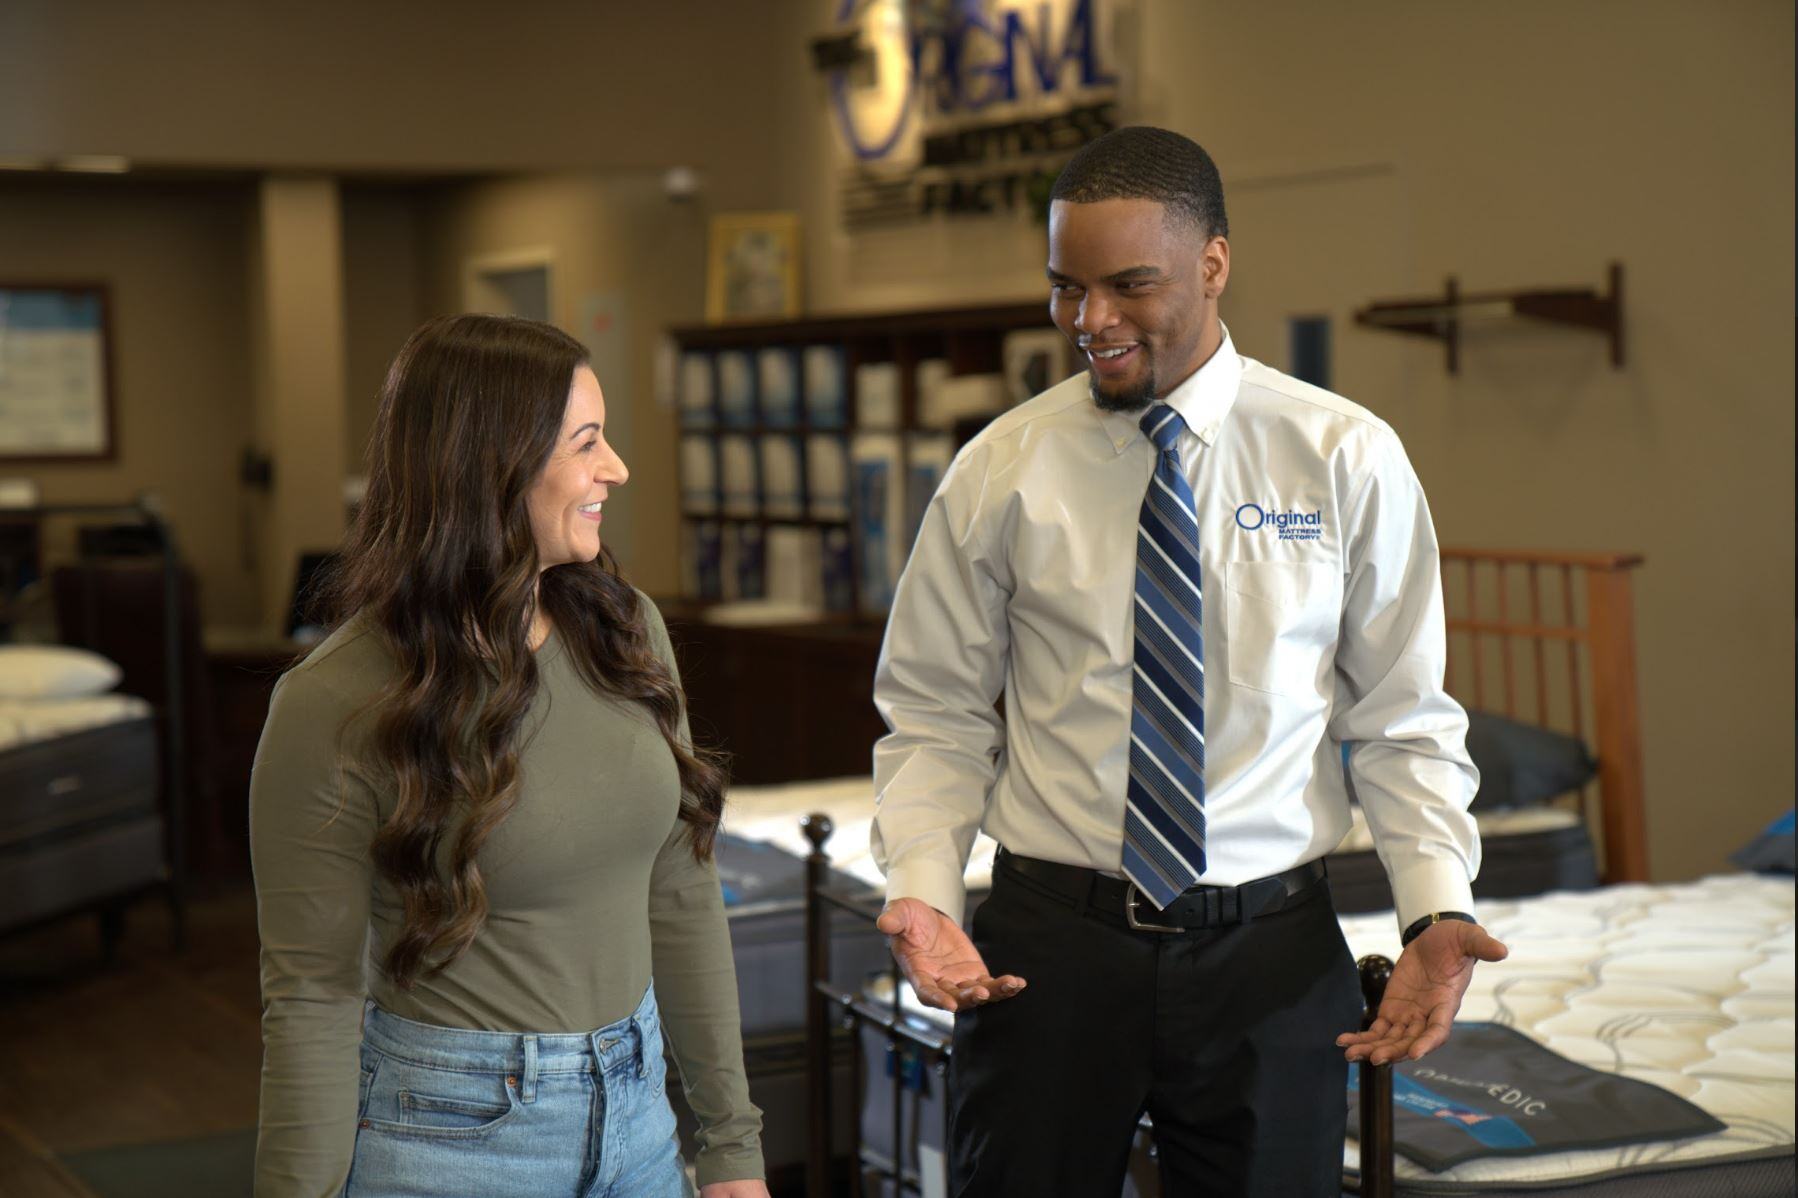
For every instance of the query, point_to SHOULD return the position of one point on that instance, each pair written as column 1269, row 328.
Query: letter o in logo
column 1260, row 517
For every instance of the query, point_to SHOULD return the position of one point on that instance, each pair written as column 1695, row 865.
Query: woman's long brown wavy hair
column 442, row 565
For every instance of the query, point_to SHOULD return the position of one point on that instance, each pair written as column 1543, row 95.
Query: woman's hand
column 734, row 1189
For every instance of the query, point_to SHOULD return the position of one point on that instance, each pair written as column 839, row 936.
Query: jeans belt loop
column 527, row 1083
column 641, row 1024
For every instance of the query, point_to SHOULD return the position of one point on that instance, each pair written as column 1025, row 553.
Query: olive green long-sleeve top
column 592, row 890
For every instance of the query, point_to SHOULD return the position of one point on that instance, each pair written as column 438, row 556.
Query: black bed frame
column 830, row 1008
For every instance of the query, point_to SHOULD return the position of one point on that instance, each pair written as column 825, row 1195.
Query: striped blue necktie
column 1164, row 814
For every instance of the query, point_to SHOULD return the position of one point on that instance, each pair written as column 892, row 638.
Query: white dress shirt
column 1323, row 624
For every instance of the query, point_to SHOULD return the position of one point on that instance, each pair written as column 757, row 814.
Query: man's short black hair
column 1141, row 162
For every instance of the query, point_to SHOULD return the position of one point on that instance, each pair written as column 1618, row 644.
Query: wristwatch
column 1431, row 920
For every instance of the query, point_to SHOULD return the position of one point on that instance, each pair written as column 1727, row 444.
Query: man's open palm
column 1424, row 993
column 939, row 960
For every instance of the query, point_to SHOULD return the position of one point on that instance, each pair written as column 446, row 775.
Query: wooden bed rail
column 1549, row 638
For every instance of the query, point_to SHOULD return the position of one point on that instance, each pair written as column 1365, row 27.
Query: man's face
column 1136, row 292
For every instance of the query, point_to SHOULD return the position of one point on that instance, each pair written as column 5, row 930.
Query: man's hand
column 1424, row 993
column 939, row 960
column 734, row 1189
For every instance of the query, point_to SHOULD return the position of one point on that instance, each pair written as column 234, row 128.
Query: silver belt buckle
column 1136, row 924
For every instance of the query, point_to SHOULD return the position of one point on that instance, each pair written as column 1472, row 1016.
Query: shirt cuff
column 934, row 883
column 1431, row 886
column 734, row 1164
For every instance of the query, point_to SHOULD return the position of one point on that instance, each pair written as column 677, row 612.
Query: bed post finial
column 817, row 828
column 1376, row 1087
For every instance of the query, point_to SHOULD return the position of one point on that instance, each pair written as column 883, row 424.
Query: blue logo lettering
column 968, row 60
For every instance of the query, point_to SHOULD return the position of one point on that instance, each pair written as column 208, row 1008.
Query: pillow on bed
column 54, row 672
column 1521, row 765
column 1771, row 851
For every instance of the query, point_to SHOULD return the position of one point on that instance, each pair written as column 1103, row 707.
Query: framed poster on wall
column 753, row 267
column 55, row 373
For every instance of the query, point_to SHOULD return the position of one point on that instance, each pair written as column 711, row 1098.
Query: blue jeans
column 450, row 1112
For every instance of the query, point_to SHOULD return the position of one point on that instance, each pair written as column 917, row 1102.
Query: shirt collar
column 1202, row 400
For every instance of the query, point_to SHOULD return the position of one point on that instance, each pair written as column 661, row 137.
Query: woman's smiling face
column 565, row 502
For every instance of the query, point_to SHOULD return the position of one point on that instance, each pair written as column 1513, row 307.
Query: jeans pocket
column 417, row 1100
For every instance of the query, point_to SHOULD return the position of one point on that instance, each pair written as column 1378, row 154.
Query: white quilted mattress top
column 1686, row 986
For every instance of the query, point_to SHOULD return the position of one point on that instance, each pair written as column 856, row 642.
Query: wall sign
column 964, row 108
column 55, row 389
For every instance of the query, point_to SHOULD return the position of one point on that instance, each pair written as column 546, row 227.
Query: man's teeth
column 1112, row 353
column 592, row 507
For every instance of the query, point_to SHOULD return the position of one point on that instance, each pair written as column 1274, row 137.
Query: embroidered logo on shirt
column 1291, row 525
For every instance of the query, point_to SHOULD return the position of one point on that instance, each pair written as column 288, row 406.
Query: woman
column 481, row 786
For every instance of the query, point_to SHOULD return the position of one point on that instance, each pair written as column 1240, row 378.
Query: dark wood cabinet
column 787, row 702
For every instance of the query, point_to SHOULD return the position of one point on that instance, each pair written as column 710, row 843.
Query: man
column 1191, row 579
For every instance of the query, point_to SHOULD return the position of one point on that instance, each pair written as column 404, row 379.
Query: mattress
column 29, row 721
column 1688, row 987
column 770, row 814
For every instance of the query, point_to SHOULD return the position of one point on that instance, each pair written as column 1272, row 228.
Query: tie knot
column 1164, row 426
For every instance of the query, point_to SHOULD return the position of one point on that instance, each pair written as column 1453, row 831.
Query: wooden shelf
column 1442, row 318
column 999, row 318
column 969, row 339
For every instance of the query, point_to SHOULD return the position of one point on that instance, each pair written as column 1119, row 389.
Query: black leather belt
column 1199, row 907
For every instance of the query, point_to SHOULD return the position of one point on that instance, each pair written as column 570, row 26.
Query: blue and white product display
column 826, row 391
column 696, row 409
column 736, row 388
column 777, row 386
column 930, row 374
column 928, row 458
column 962, row 396
column 796, row 566
column 878, row 510
column 839, row 570
column 877, row 396
column 751, row 562
column 827, row 476
column 705, row 555
column 736, row 466
column 782, row 493
column 698, row 476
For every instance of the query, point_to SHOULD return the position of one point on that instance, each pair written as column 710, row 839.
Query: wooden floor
column 157, row 1046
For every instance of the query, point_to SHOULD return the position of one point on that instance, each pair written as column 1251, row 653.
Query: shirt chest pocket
column 1282, row 619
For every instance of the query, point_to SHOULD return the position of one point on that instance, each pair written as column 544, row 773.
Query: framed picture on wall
column 753, row 267
column 55, row 373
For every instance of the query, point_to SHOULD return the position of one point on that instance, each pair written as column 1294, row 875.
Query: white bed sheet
column 27, row 721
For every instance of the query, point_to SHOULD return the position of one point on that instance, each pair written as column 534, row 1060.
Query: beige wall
column 300, row 370
column 174, row 259
column 617, row 237
column 385, row 85
column 383, row 300
column 1369, row 151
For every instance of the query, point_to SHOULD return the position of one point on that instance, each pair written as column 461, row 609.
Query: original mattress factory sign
column 964, row 107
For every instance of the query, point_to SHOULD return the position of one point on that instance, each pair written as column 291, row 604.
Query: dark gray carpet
column 219, row 1166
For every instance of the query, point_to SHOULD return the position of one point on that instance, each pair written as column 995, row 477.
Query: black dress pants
column 1226, row 1036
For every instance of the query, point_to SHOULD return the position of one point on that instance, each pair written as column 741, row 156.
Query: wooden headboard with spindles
column 1548, row 638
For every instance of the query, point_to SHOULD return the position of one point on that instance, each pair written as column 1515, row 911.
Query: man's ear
column 1214, row 266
